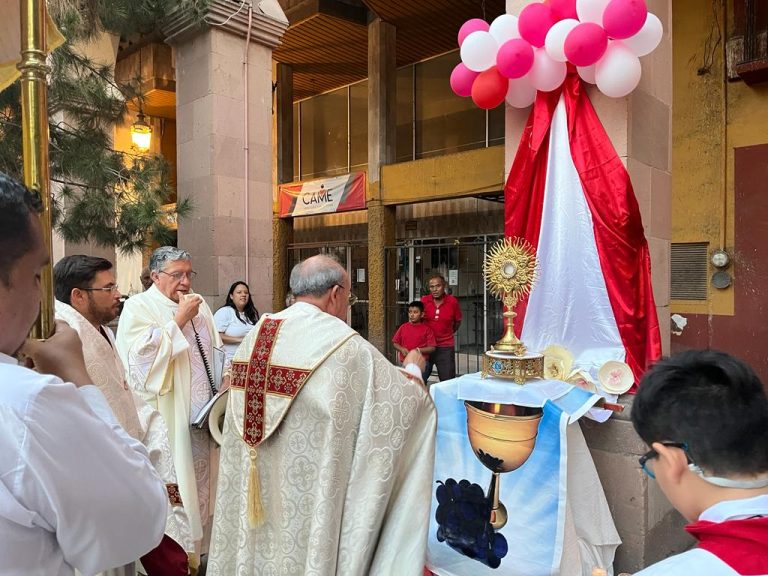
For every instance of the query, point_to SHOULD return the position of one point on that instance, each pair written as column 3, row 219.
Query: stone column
column 381, row 151
column 640, row 128
column 282, row 228
column 211, row 127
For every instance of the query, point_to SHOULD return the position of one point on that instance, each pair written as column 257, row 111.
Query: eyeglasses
column 179, row 275
column 759, row 482
column 111, row 288
column 351, row 298
column 651, row 454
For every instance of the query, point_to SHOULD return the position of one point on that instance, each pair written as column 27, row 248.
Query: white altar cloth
column 559, row 521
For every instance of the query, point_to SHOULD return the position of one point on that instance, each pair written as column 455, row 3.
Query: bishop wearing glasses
column 167, row 341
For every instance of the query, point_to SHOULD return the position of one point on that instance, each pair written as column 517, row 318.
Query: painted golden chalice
column 502, row 437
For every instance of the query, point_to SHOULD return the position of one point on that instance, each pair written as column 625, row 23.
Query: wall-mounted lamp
column 141, row 133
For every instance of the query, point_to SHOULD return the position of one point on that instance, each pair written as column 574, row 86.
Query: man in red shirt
column 414, row 335
column 443, row 315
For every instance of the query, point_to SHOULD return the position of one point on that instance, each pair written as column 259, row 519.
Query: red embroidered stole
column 259, row 378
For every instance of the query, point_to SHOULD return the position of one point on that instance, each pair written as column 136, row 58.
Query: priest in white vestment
column 328, row 449
column 165, row 338
column 88, row 299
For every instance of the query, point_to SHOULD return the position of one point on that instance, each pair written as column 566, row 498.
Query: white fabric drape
column 569, row 303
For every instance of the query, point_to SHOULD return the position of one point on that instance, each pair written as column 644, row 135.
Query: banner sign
column 324, row 196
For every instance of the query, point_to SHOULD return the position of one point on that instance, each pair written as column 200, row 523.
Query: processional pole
column 34, row 113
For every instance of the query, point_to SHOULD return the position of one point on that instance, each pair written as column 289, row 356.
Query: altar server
column 704, row 414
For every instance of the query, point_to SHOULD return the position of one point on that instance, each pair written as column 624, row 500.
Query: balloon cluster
column 513, row 57
column 462, row 515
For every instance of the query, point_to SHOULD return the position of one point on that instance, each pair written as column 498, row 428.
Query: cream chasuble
column 344, row 450
column 165, row 368
column 138, row 418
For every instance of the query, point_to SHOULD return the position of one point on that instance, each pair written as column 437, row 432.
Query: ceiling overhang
column 326, row 43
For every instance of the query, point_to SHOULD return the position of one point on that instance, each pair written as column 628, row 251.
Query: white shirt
column 700, row 562
column 227, row 323
column 75, row 490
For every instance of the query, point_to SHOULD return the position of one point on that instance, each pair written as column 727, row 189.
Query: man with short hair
column 328, row 449
column 146, row 278
column 442, row 313
column 166, row 339
column 704, row 414
column 76, row 492
column 87, row 299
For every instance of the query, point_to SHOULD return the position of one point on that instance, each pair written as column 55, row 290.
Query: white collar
column 736, row 509
column 5, row 359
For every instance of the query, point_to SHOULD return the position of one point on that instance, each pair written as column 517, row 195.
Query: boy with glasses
column 704, row 414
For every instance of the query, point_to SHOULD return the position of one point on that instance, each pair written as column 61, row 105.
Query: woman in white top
column 236, row 318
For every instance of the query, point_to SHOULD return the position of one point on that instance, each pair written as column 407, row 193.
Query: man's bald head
column 315, row 276
column 323, row 282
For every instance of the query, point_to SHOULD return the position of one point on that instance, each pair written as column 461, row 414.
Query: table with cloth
column 559, row 521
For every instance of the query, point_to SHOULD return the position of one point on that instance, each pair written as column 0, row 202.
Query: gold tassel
column 255, row 509
column 194, row 563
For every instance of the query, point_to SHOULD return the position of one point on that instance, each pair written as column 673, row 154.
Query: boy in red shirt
column 414, row 335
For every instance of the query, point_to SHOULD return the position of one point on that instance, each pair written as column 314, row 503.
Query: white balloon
column 618, row 71
column 478, row 51
column 520, row 93
column 587, row 73
column 555, row 42
column 645, row 41
column 546, row 74
column 504, row 28
column 591, row 10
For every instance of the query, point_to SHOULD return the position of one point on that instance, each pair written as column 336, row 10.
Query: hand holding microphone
column 189, row 305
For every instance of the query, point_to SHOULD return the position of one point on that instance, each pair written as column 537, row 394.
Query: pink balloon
column 514, row 58
column 624, row 18
column 585, row 44
column 489, row 89
column 534, row 22
column 462, row 79
column 562, row 9
column 474, row 25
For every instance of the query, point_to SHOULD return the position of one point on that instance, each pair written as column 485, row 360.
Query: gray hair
column 315, row 276
column 165, row 254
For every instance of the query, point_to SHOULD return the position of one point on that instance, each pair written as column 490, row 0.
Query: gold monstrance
column 510, row 271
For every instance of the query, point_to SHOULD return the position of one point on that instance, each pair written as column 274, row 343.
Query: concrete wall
column 716, row 198
column 211, row 166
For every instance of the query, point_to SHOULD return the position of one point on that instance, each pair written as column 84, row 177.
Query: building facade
column 307, row 91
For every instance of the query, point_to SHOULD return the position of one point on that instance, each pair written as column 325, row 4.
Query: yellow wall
column 710, row 118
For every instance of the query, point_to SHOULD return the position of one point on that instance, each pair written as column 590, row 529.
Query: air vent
column 689, row 270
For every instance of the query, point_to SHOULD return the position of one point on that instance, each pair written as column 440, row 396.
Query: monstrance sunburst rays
column 510, row 269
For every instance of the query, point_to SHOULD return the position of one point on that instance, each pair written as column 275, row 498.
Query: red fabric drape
column 618, row 228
